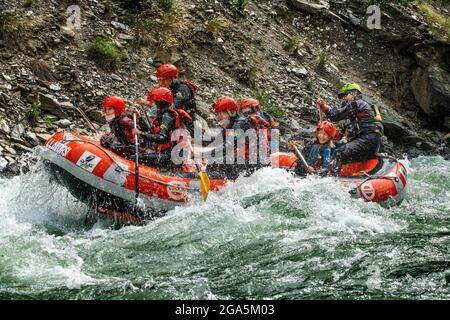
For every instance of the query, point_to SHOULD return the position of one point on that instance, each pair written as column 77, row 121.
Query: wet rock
column 116, row 77
column 125, row 37
column 55, row 87
column 96, row 116
column 3, row 164
column 31, row 138
column 63, row 123
column 68, row 32
column 12, row 169
column 4, row 127
column 447, row 122
column 394, row 124
column 300, row 71
column 431, row 88
column 416, row 141
column 43, row 137
column 49, row 103
column 310, row 6
column 10, row 150
column 119, row 26
column 355, row 20
column 22, row 147
column 204, row 109
column 18, row 131
column 4, row 98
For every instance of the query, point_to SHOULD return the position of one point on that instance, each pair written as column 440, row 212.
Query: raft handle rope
column 370, row 177
column 128, row 171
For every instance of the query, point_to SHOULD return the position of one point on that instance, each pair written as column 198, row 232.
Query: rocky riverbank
column 282, row 52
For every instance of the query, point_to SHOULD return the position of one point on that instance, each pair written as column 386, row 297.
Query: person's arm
column 334, row 113
column 127, row 123
column 166, row 126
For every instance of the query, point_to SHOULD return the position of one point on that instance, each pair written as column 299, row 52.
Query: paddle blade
column 204, row 185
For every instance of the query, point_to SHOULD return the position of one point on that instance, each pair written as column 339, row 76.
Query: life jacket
column 364, row 123
column 191, row 87
column 190, row 105
column 181, row 117
column 125, row 138
column 263, row 120
column 315, row 159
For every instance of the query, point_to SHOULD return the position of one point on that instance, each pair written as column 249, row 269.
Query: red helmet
column 329, row 128
column 167, row 71
column 115, row 102
column 225, row 104
column 160, row 94
column 250, row 103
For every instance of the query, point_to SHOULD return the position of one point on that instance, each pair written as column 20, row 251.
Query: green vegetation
column 385, row 3
column 49, row 120
column 11, row 23
column 161, row 25
column 324, row 60
column 33, row 111
column 310, row 84
column 217, row 24
column 268, row 104
column 28, row 3
column 239, row 6
column 167, row 5
column 104, row 52
column 291, row 44
column 440, row 24
column 242, row 46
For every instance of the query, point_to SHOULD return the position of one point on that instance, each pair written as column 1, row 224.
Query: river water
column 268, row 236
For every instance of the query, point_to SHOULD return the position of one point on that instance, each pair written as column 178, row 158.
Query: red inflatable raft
column 381, row 180
column 106, row 181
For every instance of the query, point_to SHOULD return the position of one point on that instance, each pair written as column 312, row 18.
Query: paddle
column 300, row 156
column 84, row 116
column 204, row 179
column 136, row 144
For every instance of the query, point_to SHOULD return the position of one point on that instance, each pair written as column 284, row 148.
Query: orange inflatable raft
column 106, row 181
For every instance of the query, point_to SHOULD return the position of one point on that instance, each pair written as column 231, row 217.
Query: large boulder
column 50, row 104
column 310, row 6
column 431, row 88
column 395, row 126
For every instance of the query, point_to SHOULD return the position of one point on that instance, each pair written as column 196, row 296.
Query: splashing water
column 270, row 235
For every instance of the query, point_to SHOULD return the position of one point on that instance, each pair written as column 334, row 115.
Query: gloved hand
column 292, row 144
column 322, row 105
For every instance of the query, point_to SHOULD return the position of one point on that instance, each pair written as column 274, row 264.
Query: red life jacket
column 179, row 123
column 261, row 123
column 191, row 87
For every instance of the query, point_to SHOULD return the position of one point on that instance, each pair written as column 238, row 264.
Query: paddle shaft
column 301, row 157
column 136, row 144
column 91, row 125
column 192, row 150
column 142, row 110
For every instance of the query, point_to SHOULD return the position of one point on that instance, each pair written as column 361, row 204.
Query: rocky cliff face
column 284, row 52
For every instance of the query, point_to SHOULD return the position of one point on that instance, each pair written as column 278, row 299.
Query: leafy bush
column 167, row 5
column 239, row 6
column 324, row 60
column 104, row 52
column 217, row 24
column 291, row 44
column 268, row 104
column 157, row 26
column 433, row 17
column 33, row 111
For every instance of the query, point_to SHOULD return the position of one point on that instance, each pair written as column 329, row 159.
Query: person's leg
column 360, row 149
